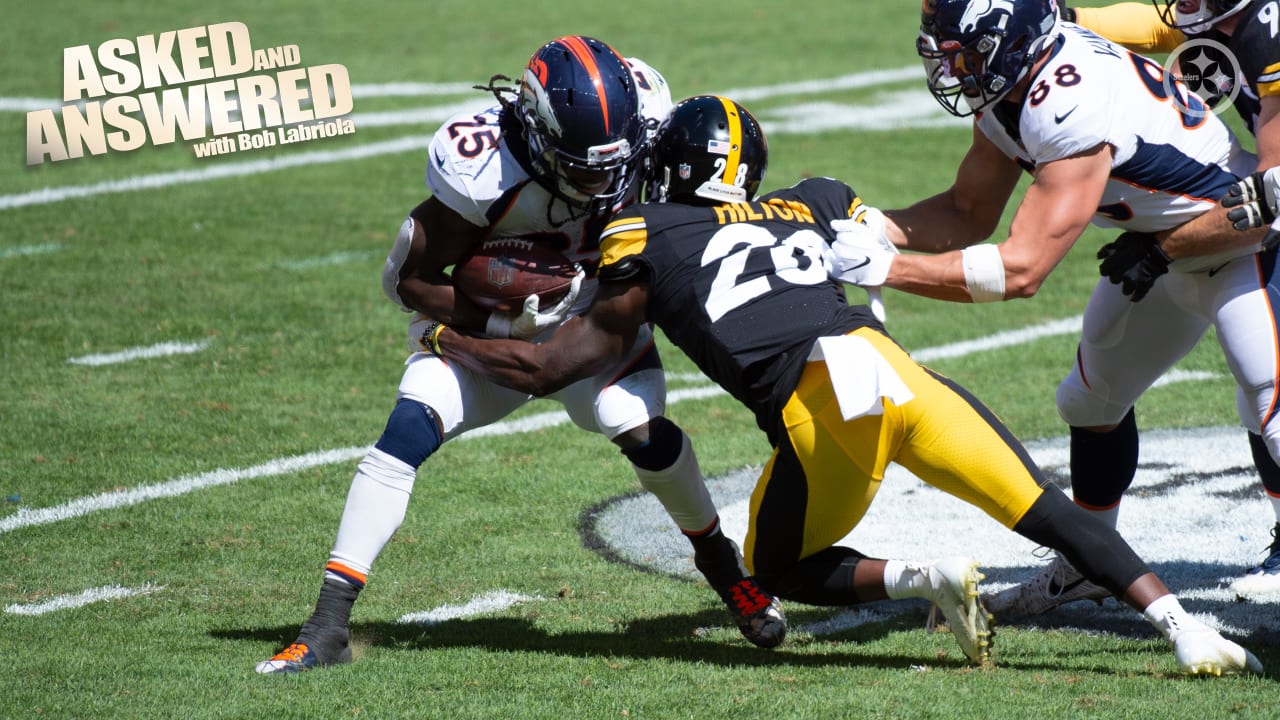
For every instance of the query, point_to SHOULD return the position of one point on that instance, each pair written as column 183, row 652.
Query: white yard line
column 490, row 602
column 183, row 485
column 141, row 353
column 68, row 602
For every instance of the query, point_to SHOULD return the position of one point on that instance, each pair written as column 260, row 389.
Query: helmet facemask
column 579, row 111
column 1200, row 21
column 979, row 52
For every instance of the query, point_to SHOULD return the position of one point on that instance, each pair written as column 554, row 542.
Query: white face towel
column 860, row 376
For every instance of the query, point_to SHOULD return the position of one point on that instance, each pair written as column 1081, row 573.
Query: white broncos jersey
column 474, row 171
column 1174, row 159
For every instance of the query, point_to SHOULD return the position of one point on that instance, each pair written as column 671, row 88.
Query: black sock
column 1103, row 464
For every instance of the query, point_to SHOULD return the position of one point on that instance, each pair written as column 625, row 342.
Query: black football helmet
column 1198, row 22
column 976, row 51
column 708, row 149
column 579, row 112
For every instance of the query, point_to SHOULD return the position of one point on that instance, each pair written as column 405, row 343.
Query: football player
column 1107, row 137
column 1243, row 36
column 553, row 158
column 740, row 285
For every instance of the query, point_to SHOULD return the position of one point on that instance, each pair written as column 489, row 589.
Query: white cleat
column 1205, row 652
column 1056, row 583
column 953, row 588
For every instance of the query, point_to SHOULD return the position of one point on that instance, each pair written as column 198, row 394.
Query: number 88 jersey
column 1173, row 157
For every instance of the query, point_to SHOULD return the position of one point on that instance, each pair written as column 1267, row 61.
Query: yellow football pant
column 823, row 477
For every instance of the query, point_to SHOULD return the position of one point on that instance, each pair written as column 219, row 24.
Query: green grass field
column 164, row 520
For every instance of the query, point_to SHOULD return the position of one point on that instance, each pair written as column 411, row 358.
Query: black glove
column 1133, row 261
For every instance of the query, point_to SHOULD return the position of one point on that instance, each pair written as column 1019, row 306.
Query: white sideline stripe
column 92, row 595
column 405, row 144
column 337, row 258
column 21, row 250
column 181, row 486
column 418, row 89
column 487, row 603
column 1177, row 376
column 215, row 172
column 1065, row 326
column 141, row 353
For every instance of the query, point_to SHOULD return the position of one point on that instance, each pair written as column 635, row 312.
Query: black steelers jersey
column 741, row 288
column 1254, row 48
column 1256, row 45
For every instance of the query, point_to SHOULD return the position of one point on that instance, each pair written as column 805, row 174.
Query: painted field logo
column 1196, row 512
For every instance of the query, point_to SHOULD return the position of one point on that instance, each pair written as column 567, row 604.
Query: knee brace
column 412, row 433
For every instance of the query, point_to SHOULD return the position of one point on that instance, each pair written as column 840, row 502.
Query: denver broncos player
column 1108, row 138
column 554, row 162
column 1231, row 35
column 740, row 285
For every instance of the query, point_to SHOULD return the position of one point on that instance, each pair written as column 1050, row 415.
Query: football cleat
column 759, row 615
column 953, row 589
column 301, row 656
column 1266, row 577
column 1203, row 651
column 1056, row 583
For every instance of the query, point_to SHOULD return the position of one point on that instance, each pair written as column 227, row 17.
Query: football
column 501, row 272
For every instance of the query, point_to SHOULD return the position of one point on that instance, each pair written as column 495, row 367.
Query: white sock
column 1168, row 616
column 903, row 579
column 682, row 490
column 376, row 505
column 1275, row 506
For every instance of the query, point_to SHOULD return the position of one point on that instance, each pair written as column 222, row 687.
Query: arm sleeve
column 1137, row 26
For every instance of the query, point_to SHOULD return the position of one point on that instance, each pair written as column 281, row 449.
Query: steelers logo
column 1206, row 68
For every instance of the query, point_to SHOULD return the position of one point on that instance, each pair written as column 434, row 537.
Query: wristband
column 431, row 338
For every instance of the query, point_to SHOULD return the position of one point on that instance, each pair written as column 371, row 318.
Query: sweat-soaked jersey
column 741, row 288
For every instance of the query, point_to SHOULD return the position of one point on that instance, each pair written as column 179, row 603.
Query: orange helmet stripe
column 582, row 51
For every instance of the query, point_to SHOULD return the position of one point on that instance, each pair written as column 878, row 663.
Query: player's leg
column 1244, row 296
column 626, row 403
column 823, row 475
column 1124, row 348
column 435, row 402
column 959, row 446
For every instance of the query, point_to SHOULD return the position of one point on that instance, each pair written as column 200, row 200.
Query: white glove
column 1255, row 200
column 861, row 253
column 531, row 323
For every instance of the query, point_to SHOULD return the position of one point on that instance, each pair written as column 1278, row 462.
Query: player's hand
column 1255, row 200
column 861, row 252
column 531, row 322
column 1133, row 261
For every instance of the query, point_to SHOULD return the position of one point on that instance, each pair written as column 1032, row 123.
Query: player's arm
column 1058, row 206
column 1136, row 26
column 438, row 238
column 966, row 213
column 1213, row 232
column 582, row 347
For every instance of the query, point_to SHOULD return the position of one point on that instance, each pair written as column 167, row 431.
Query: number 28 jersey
column 1173, row 158
column 741, row 288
